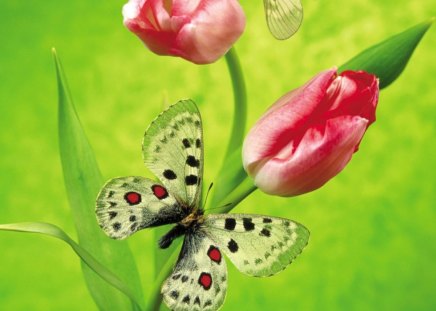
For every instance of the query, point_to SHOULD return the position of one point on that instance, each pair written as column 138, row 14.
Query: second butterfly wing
column 128, row 204
column 199, row 279
column 173, row 151
column 257, row 245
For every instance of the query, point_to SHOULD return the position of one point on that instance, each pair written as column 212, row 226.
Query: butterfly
column 283, row 17
column 173, row 150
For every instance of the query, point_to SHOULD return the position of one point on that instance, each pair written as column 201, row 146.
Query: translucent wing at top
column 199, row 279
column 173, row 151
column 257, row 245
column 128, row 204
column 283, row 17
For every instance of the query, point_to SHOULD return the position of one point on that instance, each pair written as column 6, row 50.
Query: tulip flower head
column 310, row 134
column 200, row 31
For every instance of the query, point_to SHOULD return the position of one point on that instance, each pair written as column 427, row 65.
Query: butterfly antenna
column 207, row 194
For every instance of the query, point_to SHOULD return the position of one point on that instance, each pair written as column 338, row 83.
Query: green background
column 372, row 227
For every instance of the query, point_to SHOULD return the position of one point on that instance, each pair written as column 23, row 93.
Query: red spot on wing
column 214, row 254
column 205, row 280
column 159, row 191
column 132, row 198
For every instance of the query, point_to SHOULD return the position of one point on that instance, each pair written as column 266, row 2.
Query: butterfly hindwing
column 257, row 245
column 173, row 151
column 199, row 279
column 283, row 17
column 128, row 204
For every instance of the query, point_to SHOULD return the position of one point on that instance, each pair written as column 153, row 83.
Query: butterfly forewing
column 257, row 245
column 128, row 204
column 283, row 17
column 199, row 279
column 173, row 151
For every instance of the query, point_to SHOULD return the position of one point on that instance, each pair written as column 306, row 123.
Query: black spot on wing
column 198, row 143
column 267, row 220
column 169, row 174
column 176, row 276
column 191, row 180
column 230, row 223
column 112, row 215
column 197, row 301
column 184, row 278
column 132, row 218
column 233, row 246
column 174, row 294
column 186, row 143
column 133, row 227
column 265, row 232
column 248, row 224
column 116, row 226
column 186, row 299
column 192, row 161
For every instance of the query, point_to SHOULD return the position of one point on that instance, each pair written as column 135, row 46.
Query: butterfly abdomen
column 170, row 236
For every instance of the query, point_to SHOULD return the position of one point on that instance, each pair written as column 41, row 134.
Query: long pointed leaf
column 388, row 58
column 56, row 232
column 83, row 181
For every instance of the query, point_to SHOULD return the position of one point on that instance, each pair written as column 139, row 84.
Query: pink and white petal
column 289, row 116
column 208, row 36
column 321, row 154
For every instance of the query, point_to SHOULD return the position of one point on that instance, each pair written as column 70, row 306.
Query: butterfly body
column 187, row 225
column 173, row 150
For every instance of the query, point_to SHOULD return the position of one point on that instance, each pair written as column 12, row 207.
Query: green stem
column 243, row 190
column 223, row 184
column 240, row 100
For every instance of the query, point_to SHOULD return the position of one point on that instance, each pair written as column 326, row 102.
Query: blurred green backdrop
column 373, row 234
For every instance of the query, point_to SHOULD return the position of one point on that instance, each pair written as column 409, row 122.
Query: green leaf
column 388, row 59
column 83, row 182
column 56, row 232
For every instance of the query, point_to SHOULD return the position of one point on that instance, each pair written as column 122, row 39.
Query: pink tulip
column 309, row 135
column 200, row 31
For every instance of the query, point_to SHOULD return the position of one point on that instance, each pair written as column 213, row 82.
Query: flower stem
column 228, row 179
column 244, row 189
column 240, row 100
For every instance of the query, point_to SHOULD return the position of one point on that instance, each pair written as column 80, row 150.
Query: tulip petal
column 200, row 31
column 322, row 154
column 285, row 119
column 201, row 40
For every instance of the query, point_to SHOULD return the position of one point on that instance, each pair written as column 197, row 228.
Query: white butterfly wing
column 128, row 204
column 199, row 279
column 283, row 17
column 257, row 245
column 173, row 151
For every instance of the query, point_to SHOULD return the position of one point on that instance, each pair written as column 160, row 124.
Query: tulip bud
column 200, row 31
column 309, row 135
